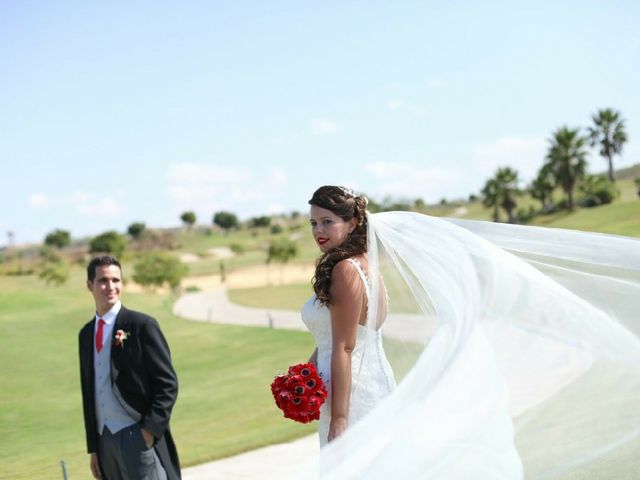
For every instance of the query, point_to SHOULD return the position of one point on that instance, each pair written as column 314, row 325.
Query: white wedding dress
column 516, row 351
column 371, row 378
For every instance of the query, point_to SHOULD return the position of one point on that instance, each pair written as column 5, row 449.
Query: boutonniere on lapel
column 119, row 338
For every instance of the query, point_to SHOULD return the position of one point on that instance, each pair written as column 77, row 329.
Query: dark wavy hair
column 102, row 261
column 347, row 205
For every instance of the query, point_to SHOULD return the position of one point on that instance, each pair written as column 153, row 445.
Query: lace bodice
column 371, row 378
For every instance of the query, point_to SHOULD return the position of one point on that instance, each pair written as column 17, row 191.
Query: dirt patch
column 256, row 276
column 189, row 257
column 221, row 252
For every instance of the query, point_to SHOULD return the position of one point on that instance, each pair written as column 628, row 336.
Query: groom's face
column 106, row 287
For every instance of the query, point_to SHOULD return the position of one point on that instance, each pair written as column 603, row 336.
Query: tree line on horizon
column 564, row 167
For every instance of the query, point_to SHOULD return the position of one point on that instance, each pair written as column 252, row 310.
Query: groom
column 128, row 385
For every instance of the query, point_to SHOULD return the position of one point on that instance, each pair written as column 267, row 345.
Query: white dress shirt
column 109, row 411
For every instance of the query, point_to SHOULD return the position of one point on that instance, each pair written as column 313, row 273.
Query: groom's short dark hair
column 101, row 261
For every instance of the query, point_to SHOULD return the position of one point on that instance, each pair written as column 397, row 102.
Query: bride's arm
column 346, row 304
column 314, row 357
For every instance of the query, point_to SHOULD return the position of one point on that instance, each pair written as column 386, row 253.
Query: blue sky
column 115, row 112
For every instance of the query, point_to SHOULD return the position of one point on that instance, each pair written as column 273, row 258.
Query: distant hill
column 627, row 173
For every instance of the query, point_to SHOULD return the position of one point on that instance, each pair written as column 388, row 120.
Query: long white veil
column 516, row 349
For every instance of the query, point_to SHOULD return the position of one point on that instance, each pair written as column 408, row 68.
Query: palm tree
column 542, row 187
column 507, row 179
column 566, row 159
column 501, row 191
column 491, row 197
column 609, row 133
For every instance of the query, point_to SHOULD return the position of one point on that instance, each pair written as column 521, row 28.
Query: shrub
column 158, row 269
column 58, row 238
column 263, row 221
column 276, row 229
column 108, row 242
column 136, row 229
column 188, row 218
column 237, row 248
column 596, row 190
column 524, row 215
column 54, row 272
column 225, row 220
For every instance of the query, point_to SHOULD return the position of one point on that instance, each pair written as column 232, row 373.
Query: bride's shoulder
column 346, row 270
column 343, row 267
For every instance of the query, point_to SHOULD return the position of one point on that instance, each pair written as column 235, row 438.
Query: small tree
column 188, row 218
column 542, row 187
column 281, row 250
column 597, row 190
column 108, row 242
column 225, row 220
column 609, row 133
column 136, row 229
column 54, row 270
column 55, row 273
column 501, row 191
column 158, row 269
column 419, row 205
column 262, row 221
column 566, row 160
column 507, row 179
column 58, row 238
column 491, row 197
column 637, row 182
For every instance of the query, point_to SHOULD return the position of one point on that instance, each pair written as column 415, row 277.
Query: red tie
column 101, row 323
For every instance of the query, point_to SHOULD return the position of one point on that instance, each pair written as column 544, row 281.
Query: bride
column 516, row 349
column 337, row 315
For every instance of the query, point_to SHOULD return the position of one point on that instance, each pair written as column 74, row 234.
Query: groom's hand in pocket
column 148, row 438
column 94, row 466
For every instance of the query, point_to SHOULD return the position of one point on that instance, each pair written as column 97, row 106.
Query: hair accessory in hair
column 347, row 191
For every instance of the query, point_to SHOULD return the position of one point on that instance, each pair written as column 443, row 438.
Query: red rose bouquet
column 300, row 393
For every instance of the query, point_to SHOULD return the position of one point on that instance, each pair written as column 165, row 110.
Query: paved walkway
column 278, row 461
column 275, row 462
column 214, row 306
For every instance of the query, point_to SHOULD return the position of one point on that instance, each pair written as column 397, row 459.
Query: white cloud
column 206, row 188
column 397, row 104
column 100, row 207
column 277, row 177
column 324, row 126
column 37, row 200
column 394, row 103
column 406, row 180
column 275, row 208
column 82, row 202
column 437, row 83
column 525, row 154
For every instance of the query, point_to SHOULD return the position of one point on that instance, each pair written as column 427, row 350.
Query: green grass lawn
column 288, row 297
column 563, row 431
column 622, row 217
column 224, row 404
column 254, row 241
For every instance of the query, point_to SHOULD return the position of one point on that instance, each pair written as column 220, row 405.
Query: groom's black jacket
column 142, row 379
